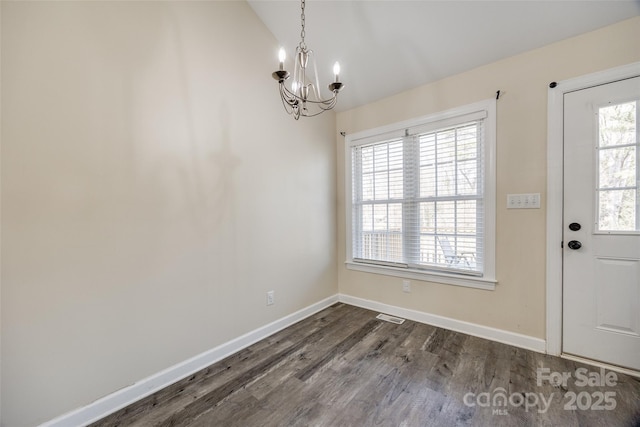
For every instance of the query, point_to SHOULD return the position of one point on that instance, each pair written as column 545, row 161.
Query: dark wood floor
column 343, row 367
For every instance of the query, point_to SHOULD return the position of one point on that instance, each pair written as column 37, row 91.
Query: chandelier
column 303, row 98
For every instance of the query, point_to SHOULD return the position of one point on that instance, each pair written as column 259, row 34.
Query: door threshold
column 599, row 364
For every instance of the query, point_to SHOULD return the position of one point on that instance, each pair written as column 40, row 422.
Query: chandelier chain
column 303, row 45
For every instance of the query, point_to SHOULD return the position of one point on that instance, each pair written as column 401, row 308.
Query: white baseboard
column 128, row 395
column 143, row 388
column 499, row 335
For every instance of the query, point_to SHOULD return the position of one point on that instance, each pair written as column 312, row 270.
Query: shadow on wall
column 180, row 161
column 209, row 184
column 208, row 181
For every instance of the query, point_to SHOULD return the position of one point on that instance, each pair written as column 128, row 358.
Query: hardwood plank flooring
column 343, row 367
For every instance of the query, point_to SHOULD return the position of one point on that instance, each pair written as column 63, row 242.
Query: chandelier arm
column 288, row 106
column 325, row 107
column 292, row 97
column 314, row 114
column 328, row 101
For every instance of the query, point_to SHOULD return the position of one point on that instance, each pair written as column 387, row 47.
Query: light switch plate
column 523, row 201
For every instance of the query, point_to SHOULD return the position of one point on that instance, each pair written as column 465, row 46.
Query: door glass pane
column 617, row 210
column 617, row 167
column 618, row 124
column 617, row 189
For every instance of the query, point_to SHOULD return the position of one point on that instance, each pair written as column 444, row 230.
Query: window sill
column 427, row 276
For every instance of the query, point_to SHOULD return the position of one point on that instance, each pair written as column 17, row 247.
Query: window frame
column 433, row 121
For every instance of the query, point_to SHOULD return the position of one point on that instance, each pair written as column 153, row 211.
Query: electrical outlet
column 406, row 286
column 271, row 298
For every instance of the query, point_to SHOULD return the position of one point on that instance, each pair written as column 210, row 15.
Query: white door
column 601, row 240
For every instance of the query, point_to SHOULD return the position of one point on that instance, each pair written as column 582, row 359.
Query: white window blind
column 418, row 199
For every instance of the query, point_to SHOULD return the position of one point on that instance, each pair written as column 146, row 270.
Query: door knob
column 574, row 226
column 574, row 244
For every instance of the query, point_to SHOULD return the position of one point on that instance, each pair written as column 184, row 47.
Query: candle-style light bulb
column 336, row 71
column 282, row 55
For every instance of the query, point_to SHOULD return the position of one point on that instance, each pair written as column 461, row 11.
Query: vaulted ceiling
column 386, row 47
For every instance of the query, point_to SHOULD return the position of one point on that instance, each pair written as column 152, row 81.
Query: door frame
column 555, row 189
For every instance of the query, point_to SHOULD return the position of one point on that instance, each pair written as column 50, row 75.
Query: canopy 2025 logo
column 588, row 399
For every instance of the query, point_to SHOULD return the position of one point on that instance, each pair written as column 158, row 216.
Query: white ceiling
column 386, row 47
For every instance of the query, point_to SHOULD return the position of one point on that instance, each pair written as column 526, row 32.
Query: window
column 618, row 172
column 421, row 198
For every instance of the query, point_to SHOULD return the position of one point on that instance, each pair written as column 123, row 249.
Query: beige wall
column 153, row 190
column 518, row 302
